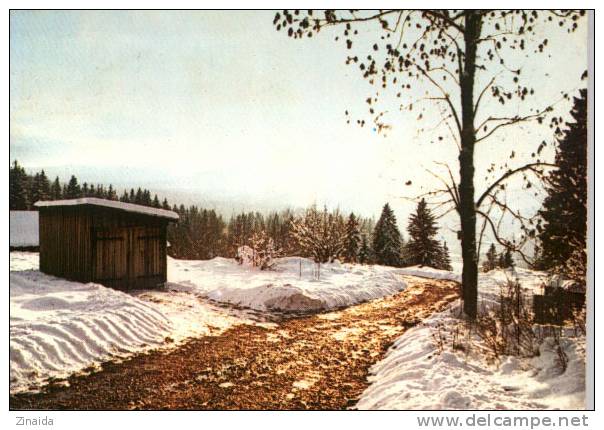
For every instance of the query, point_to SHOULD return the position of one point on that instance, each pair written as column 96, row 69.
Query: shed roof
column 126, row 207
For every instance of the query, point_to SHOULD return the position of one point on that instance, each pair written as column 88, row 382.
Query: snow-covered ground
column 59, row 327
column 430, row 272
column 415, row 375
column 293, row 286
column 24, row 261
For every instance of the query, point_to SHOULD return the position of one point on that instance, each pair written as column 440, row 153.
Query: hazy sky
column 219, row 107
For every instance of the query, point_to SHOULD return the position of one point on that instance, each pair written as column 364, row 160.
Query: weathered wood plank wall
column 65, row 243
column 115, row 248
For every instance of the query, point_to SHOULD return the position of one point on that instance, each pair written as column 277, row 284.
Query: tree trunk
column 467, row 209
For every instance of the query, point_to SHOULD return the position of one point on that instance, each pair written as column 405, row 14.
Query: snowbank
column 24, row 261
column 414, row 375
column 294, row 285
column 429, row 272
column 23, row 228
column 58, row 327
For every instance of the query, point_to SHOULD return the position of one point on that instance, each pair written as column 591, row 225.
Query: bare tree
column 320, row 235
column 445, row 52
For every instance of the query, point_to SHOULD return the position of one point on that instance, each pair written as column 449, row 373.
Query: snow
column 58, row 327
column 128, row 207
column 429, row 272
column 24, row 261
column 293, row 286
column 23, row 228
column 416, row 375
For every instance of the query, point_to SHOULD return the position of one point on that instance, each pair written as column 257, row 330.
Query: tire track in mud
column 311, row 362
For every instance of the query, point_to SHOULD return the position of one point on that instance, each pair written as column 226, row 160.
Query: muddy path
column 312, row 362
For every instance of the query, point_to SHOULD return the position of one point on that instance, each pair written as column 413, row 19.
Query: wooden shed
column 119, row 245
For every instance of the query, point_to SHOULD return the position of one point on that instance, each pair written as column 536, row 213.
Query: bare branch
column 507, row 244
column 445, row 96
column 508, row 174
column 451, row 21
column 508, row 121
column 505, row 208
column 354, row 18
column 484, row 90
column 447, row 212
column 454, row 186
column 482, row 229
column 448, row 188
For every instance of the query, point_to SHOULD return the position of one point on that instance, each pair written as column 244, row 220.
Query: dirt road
column 312, row 362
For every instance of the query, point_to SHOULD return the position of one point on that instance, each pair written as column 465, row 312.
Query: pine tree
column 387, row 239
column 501, row 261
column 18, row 188
column 40, row 187
column 55, row 190
column 444, row 259
column 99, row 191
column 111, row 194
column 156, row 203
column 165, row 204
column 138, row 198
column 509, row 260
column 147, row 201
column 352, row 239
column 505, row 259
column 240, row 229
column 564, row 211
column 278, row 228
column 492, row 260
column 422, row 249
column 73, row 190
column 364, row 251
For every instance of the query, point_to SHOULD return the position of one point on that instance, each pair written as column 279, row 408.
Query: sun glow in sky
column 219, row 107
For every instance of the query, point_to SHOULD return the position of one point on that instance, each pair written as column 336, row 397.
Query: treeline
column 494, row 260
column 203, row 233
column 326, row 236
column 25, row 189
column 421, row 249
column 320, row 234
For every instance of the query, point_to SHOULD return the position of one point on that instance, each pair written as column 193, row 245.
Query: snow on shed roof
column 127, row 207
column 24, row 228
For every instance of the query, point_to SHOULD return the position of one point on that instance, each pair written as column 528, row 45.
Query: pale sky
column 219, row 107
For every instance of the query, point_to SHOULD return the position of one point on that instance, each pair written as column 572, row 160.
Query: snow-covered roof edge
column 127, row 207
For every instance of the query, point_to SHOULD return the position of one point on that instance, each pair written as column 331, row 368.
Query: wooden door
column 110, row 260
column 147, row 263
